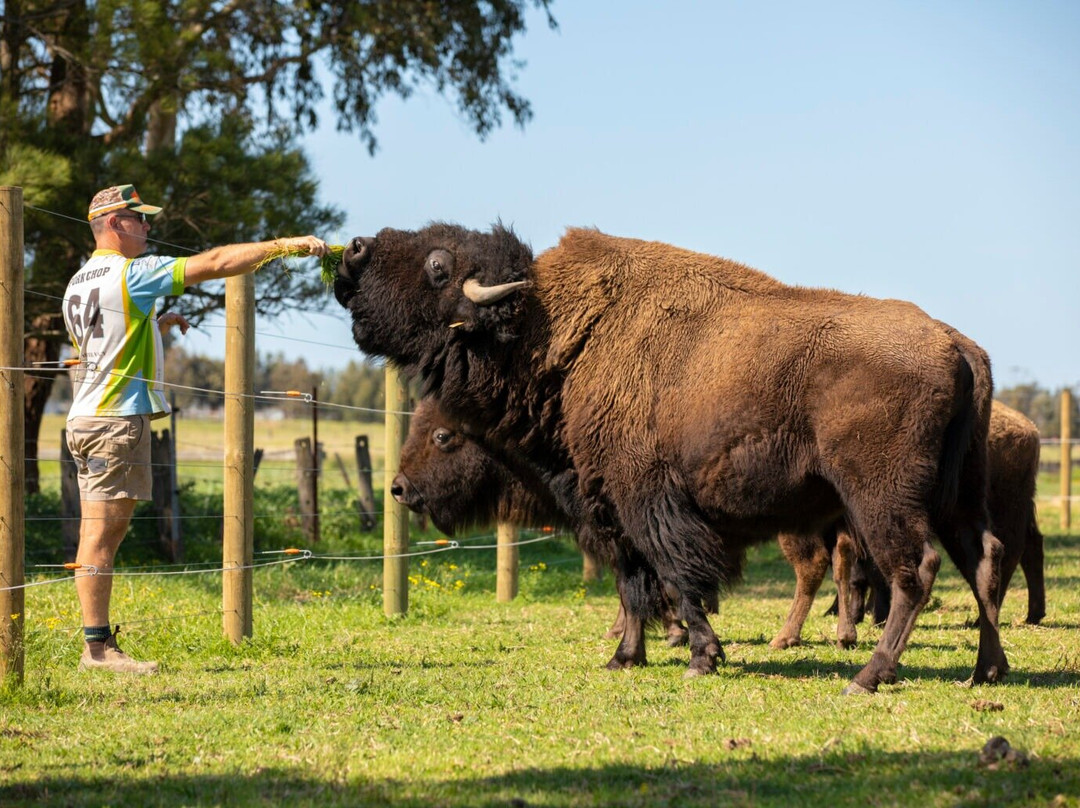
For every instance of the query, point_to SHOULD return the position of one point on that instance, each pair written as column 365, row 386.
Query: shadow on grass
column 804, row 668
column 744, row 779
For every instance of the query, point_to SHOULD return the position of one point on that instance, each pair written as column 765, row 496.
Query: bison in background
column 684, row 406
column 1014, row 468
column 1014, row 471
column 457, row 484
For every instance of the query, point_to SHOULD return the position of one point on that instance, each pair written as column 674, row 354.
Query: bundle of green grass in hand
column 328, row 263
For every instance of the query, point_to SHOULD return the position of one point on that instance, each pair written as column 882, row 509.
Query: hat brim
column 138, row 207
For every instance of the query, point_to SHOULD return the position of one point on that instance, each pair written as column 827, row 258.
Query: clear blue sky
column 928, row 151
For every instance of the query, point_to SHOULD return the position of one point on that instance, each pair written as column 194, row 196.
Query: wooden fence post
column 238, row 539
column 161, row 465
column 395, row 515
column 1066, row 459
column 174, row 487
column 590, row 569
column 506, row 562
column 12, row 437
column 366, row 501
column 307, row 483
column 70, row 503
column 315, row 464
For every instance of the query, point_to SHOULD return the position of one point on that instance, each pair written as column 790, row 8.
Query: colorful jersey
column 110, row 309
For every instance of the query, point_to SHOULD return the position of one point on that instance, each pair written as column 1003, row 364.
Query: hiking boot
column 108, row 656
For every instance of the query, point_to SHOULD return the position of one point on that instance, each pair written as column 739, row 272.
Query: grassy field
column 465, row 701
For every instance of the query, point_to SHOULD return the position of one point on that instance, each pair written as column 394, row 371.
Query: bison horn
column 486, row 295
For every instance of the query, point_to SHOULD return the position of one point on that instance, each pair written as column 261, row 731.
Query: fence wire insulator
column 71, row 565
column 296, row 551
column 439, row 543
column 63, row 364
column 305, row 397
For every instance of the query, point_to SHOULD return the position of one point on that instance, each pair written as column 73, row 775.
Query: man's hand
column 312, row 245
column 171, row 318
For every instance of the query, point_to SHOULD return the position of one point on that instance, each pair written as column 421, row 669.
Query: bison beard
column 685, row 405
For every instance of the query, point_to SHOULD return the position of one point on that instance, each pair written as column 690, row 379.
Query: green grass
column 465, row 701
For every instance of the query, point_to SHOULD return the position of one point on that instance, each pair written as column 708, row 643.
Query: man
column 110, row 311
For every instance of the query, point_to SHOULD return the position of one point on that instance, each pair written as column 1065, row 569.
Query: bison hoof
column 846, row 643
column 993, row 675
column 855, row 689
column 617, row 664
column 781, row 642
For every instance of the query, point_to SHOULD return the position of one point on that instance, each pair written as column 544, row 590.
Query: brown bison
column 458, row 484
column 683, row 406
column 1014, row 467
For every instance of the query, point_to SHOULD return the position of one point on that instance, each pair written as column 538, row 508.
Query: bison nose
column 357, row 254
column 401, row 490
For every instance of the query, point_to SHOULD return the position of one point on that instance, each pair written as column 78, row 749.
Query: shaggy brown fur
column 685, row 405
column 458, row 484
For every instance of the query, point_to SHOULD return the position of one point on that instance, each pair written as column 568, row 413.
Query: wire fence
column 281, row 520
column 281, row 524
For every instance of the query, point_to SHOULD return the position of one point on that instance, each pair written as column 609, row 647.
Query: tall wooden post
column 1066, row 459
column 366, row 500
column 315, row 461
column 395, row 515
column 12, row 447
column 174, row 487
column 506, row 562
column 238, row 538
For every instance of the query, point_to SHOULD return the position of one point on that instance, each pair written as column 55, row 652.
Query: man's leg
column 103, row 526
column 102, row 529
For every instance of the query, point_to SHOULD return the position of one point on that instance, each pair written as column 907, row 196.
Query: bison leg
column 704, row 644
column 637, row 600
column 991, row 664
column 977, row 554
column 1031, row 562
column 808, row 556
column 676, row 632
column 619, row 626
column 843, row 557
column 910, row 591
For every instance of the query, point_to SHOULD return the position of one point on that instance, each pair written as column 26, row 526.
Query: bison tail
column 964, row 463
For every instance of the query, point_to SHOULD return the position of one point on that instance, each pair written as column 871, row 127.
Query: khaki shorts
column 112, row 455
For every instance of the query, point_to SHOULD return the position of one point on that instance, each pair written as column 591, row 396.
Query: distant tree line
column 196, row 383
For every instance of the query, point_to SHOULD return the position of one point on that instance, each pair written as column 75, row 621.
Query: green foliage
column 201, row 104
column 40, row 173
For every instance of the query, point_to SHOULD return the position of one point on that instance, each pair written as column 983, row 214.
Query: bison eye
column 442, row 437
column 438, row 266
